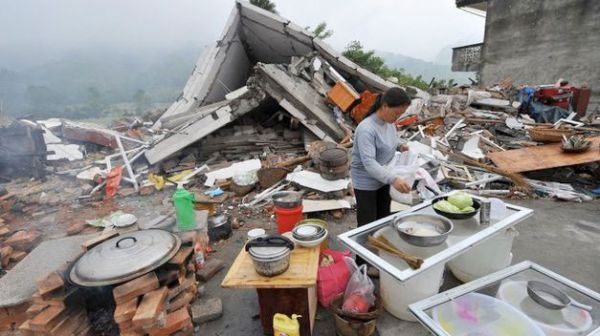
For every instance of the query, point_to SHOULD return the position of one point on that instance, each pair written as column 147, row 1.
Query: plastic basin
column 396, row 295
column 478, row 314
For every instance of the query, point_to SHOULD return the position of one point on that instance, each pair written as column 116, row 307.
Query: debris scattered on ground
column 286, row 126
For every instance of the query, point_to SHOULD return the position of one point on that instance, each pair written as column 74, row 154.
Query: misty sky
column 40, row 29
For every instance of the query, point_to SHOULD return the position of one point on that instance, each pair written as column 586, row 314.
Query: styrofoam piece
column 315, row 181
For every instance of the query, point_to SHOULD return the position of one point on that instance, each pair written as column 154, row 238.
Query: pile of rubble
column 251, row 122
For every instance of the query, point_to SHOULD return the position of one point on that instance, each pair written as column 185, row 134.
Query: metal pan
column 551, row 297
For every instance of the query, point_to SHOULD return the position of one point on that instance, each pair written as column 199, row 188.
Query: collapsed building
column 263, row 60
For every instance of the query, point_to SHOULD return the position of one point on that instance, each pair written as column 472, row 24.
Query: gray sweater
column 375, row 143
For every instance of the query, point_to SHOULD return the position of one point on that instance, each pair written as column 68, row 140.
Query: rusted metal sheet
column 543, row 157
column 85, row 133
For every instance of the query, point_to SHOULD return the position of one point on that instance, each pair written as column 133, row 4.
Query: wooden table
column 293, row 292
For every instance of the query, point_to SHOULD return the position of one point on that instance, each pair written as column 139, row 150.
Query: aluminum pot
column 333, row 173
column 287, row 199
column 333, row 163
column 219, row 228
column 270, row 255
column 333, row 157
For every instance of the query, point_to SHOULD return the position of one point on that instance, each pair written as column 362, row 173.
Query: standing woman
column 375, row 144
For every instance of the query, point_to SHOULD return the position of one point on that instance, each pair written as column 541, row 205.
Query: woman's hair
column 393, row 97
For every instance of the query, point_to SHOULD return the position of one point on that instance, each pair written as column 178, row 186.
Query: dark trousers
column 371, row 205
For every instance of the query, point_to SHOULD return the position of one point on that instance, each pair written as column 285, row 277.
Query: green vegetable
column 446, row 206
column 467, row 209
column 460, row 200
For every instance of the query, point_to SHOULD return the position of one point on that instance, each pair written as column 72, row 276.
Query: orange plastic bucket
column 286, row 219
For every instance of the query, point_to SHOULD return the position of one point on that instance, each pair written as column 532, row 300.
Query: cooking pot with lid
column 270, row 255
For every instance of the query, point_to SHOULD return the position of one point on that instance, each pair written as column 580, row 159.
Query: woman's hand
column 403, row 148
column 401, row 185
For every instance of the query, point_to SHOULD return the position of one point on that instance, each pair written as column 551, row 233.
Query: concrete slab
column 19, row 284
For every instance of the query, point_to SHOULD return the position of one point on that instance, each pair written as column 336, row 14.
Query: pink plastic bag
column 332, row 279
column 360, row 292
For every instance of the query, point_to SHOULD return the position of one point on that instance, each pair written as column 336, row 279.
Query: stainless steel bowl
column 319, row 232
column 439, row 224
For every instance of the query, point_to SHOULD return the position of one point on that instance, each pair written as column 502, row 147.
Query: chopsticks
column 383, row 244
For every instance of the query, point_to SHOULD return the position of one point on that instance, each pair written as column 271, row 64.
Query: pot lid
column 125, row 257
column 217, row 221
column 333, row 156
column 271, row 247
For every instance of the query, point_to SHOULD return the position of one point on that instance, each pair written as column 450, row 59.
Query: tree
column 321, row 31
column 368, row 60
column 142, row 101
column 264, row 4
column 95, row 102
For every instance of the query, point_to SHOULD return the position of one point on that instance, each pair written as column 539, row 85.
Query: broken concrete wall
column 269, row 38
column 540, row 41
column 221, row 68
column 254, row 35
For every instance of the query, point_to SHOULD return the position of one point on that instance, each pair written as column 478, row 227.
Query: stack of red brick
column 56, row 309
column 158, row 303
column 16, row 246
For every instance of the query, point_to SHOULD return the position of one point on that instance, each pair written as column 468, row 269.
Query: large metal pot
column 333, row 157
column 270, row 255
column 333, row 163
column 219, row 228
column 287, row 199
column 125, row 257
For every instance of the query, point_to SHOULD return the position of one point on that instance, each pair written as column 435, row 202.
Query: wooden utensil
column 383, row 244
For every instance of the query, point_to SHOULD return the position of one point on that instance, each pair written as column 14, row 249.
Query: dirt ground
column 560, row 236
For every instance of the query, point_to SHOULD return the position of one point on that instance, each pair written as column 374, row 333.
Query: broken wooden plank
column 543, row 157
column 136, row 287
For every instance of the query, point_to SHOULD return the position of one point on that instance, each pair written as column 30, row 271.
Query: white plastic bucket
column 485, row 258
column 396, row 295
